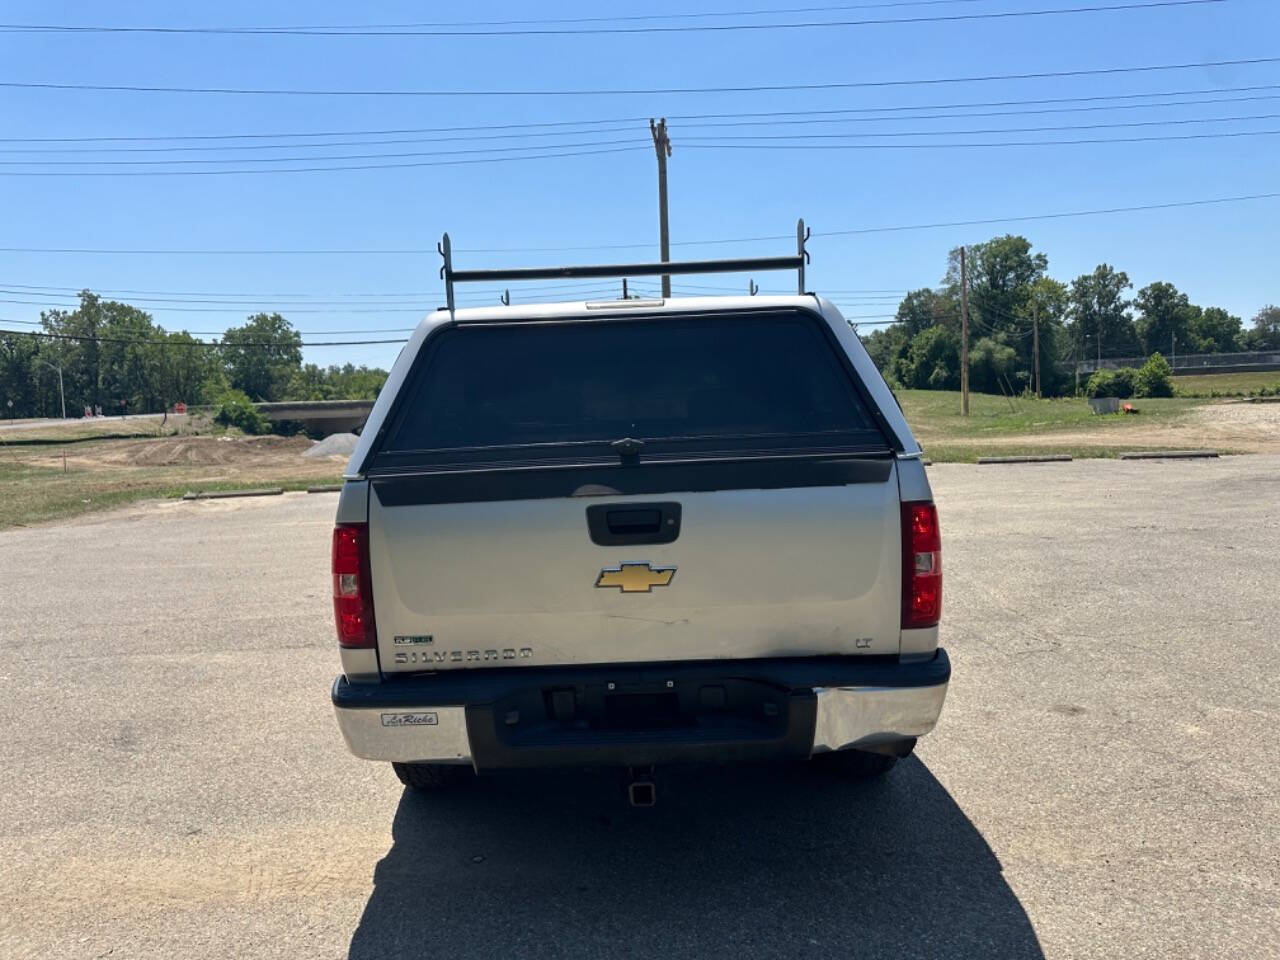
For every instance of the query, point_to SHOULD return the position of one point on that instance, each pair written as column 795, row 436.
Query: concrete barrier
column 1034, row 458
column 225, row 494
column 1168, row 454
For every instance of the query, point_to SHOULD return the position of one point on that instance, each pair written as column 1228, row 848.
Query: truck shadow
column 757, row 861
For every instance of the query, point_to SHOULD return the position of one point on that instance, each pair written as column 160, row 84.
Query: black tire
column 861, row 764
column 432, row 776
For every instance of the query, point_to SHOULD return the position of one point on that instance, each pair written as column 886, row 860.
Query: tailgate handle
column 633, row 521
column 619, row 524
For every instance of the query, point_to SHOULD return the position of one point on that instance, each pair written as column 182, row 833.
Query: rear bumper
column 643, row 714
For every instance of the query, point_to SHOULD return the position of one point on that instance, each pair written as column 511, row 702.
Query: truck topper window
column 741, row 381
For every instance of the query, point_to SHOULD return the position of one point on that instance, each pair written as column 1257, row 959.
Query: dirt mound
column 197, row 451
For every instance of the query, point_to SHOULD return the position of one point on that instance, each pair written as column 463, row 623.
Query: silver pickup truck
column 636, row 532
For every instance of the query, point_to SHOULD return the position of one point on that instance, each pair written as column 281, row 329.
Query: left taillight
column 921, row 566
column 353, row 586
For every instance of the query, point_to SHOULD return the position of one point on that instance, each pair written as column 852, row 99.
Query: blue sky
column 1221, row 255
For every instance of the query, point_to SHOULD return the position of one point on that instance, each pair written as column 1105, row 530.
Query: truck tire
column 862, row 764
column 432, row 776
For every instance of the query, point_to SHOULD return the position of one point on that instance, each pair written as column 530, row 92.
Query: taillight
column 352, row 586
column 921, row 566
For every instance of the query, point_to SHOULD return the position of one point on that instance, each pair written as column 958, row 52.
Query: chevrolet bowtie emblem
column 635, row 577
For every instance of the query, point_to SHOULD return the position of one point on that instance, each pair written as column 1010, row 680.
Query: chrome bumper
column 851, row 717
column 848, row 716
column 435, row 735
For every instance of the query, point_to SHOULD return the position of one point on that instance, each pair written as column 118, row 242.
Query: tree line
column 1094, row 317
column 114, row 357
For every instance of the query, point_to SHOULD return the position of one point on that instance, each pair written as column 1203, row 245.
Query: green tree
column 20, row 376
column 925, row 308
column 1007, row 278
column 888, row 348
column 129, row 372
column 1265, row 333
column 1213, row 330
column 1154, row 379
column 262, row 356
column 992, row 365
column 81, row 352
column 933, row 361
column 1164, row 313
column 183, row 366
column 1002, row 274
column 1112, row 383
column 347, row 382
column 1052, row 300
column 1100, row 321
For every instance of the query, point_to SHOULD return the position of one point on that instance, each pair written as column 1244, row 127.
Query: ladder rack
column 796, row 262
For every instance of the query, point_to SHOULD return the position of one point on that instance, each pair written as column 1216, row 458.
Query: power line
column 237, row 308
column 349, row 156
column 1174, row 121
column 640, row 17
column 1170, row 121
column 715, row 145
column 554, row 31
column 253, row 299
column 310, row 169
column 219, row 333
column 1042, row 101
column 228, row 298
column 152, row 341
column 645, row 91
column 857, row 231
column 703, row 143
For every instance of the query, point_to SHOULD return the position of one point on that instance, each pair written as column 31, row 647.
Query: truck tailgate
column 796, row 571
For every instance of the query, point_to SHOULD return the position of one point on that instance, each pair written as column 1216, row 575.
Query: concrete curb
column 226, row 494
column 1169, row 454
column 326, row 488
column 1037, row 458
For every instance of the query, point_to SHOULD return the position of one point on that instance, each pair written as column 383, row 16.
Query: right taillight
column 921, row 566
column 352, row 586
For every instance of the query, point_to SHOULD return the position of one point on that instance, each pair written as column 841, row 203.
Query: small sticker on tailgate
column 410, row 720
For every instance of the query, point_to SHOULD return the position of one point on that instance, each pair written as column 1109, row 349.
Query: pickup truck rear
column 636, row 533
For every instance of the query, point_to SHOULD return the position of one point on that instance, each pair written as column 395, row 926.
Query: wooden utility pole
column 662, row 146
column 1035, row 342
column 964, row 336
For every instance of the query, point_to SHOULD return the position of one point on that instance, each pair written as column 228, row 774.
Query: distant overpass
column 320, row 416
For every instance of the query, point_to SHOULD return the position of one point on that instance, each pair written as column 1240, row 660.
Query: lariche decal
column 413, row 641
column 410, row 720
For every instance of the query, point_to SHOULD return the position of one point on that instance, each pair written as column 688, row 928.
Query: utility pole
column 1099, row 366
column 62, row 396
column 1035, row 342
column 662, row 146
column 1173, row 347
column 964, row 336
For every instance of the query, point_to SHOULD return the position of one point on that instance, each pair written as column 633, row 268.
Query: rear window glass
column 747, row 381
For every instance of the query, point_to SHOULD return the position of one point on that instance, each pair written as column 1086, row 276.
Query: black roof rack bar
column 794, row 261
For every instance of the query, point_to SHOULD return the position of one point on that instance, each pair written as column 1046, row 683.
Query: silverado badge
column 635, row 577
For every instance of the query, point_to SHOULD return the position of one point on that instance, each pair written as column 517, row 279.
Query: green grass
column 31, row 494
column 970, row 452
column 1227, row 383
column 935, row 415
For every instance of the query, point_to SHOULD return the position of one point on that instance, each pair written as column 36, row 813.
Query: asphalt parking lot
column 1103, row 782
